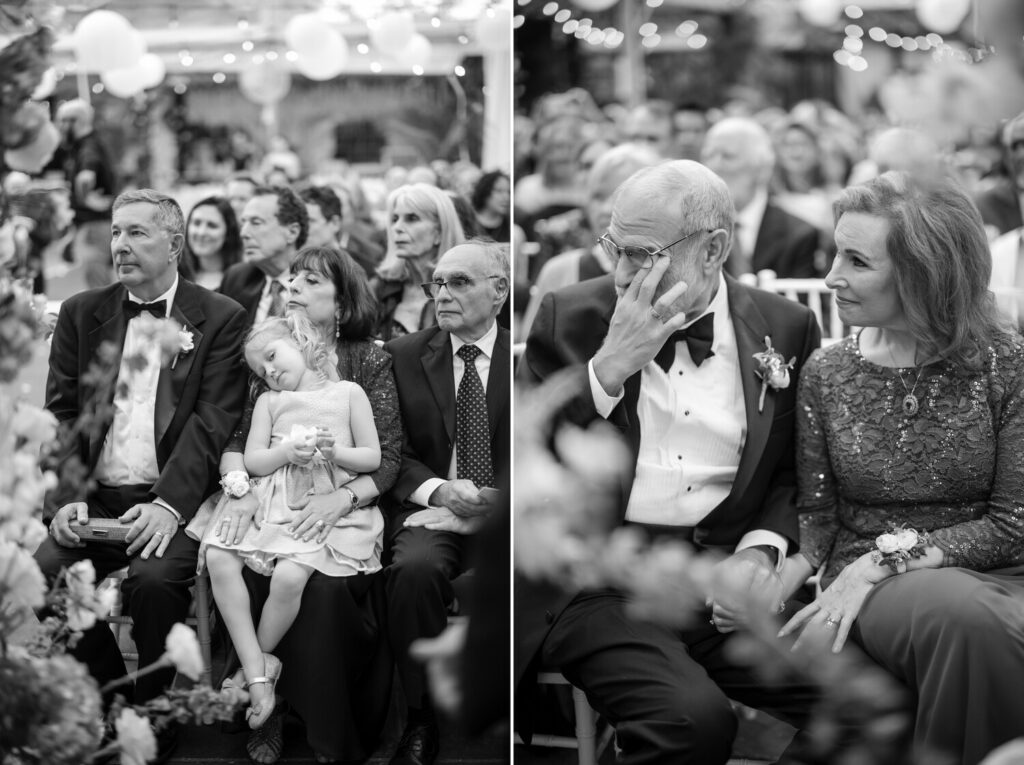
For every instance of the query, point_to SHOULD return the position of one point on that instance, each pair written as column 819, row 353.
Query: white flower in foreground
column 135, row 737
column 183, row 650
column 80, row 618
column 81, row 580
column 106, row 598
column 21, row 582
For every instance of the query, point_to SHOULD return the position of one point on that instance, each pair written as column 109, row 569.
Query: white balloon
column 327, row 62
column 594, row 5
column 265, row 83
column 123, row 83
column 393, row 32
column 46, row 85
column 942, row 16
column 302, row 32
column 105, row 40
column 821, row 13
column 153, row 70
column 416, row 51
column 493, row 29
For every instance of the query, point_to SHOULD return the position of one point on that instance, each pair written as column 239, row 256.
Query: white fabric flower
column 185, row 340
column 778, row 378
column 303, row 434
column 888, row 543
column 235, row 483
column 906, row 539
column 135, row 737
column 183, row 650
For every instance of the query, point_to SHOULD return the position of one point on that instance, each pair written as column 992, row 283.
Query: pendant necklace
column 910, row 402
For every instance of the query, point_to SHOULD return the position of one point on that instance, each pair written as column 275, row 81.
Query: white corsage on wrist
column 772, row 370
column 898, row 546
column 235, row 483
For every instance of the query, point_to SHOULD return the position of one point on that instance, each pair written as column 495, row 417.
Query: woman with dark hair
column 212, row 242
column 491, row 198
column 339, row 684
column 910, row 480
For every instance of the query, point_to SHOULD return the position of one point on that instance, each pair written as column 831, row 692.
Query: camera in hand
column 101, row 530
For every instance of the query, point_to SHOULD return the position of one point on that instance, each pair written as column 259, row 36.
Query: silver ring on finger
column 655, row 314
column 320, row 525
column 831, row 621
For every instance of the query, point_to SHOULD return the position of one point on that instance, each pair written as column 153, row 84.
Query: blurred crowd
column 784, row 169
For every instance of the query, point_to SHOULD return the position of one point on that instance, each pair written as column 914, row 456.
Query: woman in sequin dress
column 917, row 420
column 340, row 683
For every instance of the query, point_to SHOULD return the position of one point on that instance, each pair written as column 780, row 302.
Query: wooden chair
column 585, row 742
column 120, row 624
column 815, row 295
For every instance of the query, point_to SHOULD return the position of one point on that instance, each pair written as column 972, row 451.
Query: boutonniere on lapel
column 185, row 344
column 772, row 370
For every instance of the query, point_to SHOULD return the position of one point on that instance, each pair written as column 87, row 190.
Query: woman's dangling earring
column 337, row 324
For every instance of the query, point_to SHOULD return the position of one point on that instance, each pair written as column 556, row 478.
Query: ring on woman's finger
column 319, row 524
column 831, row 621
column 655, row 314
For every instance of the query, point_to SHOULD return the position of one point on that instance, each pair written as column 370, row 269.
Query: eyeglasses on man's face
column 640, row 257
column 457, row 285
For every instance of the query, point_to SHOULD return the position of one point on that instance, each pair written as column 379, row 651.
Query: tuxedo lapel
column 437, row 367
column 112, row 325
column 751, row 328
column 187, row 314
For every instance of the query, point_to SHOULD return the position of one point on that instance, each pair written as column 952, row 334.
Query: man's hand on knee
column 152, row 529
column 461, row 496
column 61, row 529
column 743, row 582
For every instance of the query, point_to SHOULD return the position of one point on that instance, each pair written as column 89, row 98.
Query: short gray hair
column 701, row 198
column 168, row 217
column 496, row 253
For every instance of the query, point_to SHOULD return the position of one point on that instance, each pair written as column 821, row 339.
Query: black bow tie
column 158, row 308
column 699, row 337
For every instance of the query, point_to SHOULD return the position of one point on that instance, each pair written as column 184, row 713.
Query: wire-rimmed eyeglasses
column 456, row 285
column 640, row 257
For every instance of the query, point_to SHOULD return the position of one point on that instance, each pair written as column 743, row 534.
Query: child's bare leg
column 282, row 606
column 232, row 598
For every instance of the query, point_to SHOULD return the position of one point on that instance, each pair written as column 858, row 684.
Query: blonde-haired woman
column 422, row 225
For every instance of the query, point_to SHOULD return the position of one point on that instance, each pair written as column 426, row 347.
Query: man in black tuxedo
column 274, row 226
column 154, row 458
column 453, row 390
column 713, row 465
column 740, row 152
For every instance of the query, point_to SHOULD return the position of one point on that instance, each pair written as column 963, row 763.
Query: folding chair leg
column 586, row 728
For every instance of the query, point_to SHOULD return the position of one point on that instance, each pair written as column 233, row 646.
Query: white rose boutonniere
column 772, row 370
column 185, row 344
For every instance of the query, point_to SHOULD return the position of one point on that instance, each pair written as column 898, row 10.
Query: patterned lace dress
column 954, row 468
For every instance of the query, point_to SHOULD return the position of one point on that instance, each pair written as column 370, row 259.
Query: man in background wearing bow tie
column 154, row 458
column 713, row 465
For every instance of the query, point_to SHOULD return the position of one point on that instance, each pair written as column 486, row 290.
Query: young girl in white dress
column 287, row 468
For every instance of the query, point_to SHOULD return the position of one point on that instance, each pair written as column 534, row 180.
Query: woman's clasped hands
column 833, row 612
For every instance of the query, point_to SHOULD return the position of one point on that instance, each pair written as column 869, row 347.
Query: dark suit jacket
column 244, row 283
column 570, row 327
column 786, row 244
column 422, row 363
column 1000, row 206
column 198, row 402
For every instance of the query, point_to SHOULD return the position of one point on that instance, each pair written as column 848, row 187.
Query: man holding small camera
column 151, row 441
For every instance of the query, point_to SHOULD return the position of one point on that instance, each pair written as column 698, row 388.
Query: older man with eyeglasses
column 453, row 392
column 664, row 348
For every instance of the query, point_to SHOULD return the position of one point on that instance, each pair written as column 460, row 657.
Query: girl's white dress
column 353, row 546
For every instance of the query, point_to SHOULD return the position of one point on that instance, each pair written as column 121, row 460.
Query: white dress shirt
column 128, row 455
column 693, row 426
column 483, row 368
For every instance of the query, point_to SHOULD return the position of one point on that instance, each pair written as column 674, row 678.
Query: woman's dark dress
column 954, row 635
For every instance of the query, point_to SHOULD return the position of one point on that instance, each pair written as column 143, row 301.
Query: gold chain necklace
column 910, row 402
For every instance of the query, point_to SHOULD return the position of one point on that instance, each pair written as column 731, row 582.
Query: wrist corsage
column 235, row 483
column 898, row 546
column 772, row 369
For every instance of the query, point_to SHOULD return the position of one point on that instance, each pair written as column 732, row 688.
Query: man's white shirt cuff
column 422, row 494
column 162, row 503
column 765, row 537
column 603, row 403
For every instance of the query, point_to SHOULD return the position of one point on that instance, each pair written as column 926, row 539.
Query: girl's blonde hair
column 297, row 328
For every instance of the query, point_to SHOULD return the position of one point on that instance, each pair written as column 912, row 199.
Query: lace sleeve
column 816, row 486
column 369, row 366
column 997, row 538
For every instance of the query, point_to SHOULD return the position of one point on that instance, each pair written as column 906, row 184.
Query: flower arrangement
column 50, row 708
column 899, row 545
column 772, row 370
